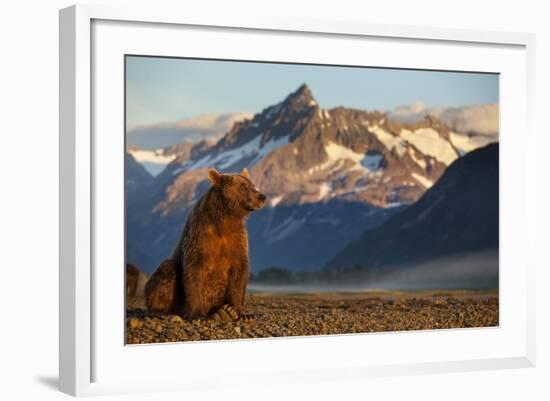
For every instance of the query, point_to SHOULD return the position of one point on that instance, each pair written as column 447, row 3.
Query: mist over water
column 473, row 271
column 465, row 272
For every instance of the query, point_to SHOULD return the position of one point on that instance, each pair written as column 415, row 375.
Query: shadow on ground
column 52, row 382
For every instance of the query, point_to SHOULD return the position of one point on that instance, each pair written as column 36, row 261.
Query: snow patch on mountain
column 324, row 190
column 154, row 161
column 429, row 142
column 178, row 170
column 466, row 143
column 250, row 149
column 276, row 200
column 335, row 155
column 336, row 152
column 269, row 147
column 420, row 162
column 389, row 140
column 229, row 157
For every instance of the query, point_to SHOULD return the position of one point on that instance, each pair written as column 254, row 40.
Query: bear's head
column 237, row 190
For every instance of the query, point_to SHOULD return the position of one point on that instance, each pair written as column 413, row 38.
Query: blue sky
column 170, row 89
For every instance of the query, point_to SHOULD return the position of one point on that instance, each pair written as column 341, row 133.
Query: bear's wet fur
column 209, row 266
column 162, row 295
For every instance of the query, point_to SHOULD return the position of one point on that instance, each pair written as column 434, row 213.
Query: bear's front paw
column 246, row 317
column 227, row 313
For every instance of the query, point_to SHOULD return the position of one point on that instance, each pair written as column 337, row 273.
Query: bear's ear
column 214, row 176
column 244, row 173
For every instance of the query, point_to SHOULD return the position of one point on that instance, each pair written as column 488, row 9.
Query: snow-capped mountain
column 300, row 153
column 458, row 216
column 311, row 162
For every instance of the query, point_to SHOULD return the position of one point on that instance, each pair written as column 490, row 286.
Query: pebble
column 176, row 319
column 135, row 323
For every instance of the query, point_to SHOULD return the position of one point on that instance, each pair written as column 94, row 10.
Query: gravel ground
column 278, row 315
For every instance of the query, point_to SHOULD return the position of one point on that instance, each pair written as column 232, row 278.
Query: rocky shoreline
column 280, row 315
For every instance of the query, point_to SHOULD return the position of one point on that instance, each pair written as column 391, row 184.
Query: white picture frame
column 92, row 361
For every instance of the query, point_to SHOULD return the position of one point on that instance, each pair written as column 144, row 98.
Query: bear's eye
column 243, row 185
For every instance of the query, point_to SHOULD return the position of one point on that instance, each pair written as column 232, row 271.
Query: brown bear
column 208, row 270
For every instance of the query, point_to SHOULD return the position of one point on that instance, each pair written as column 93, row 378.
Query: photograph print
column 267, row 199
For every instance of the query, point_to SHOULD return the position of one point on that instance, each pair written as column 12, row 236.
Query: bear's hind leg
column 162, row 295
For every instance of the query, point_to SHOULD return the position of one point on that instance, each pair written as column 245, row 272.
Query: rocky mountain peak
column 300, row 98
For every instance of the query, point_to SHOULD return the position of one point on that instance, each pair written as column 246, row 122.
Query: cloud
column 413, row 110
column 482, row 119
column 195, row 129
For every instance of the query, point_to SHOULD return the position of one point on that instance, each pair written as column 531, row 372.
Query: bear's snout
column 261, row 197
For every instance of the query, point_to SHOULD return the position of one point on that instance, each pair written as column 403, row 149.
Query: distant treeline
column 475, row 272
